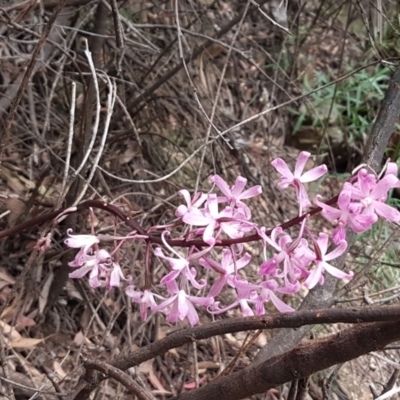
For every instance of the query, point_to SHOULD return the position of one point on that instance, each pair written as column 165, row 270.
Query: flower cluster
column 217, row 226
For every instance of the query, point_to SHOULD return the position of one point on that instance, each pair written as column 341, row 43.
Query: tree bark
column 300, row 362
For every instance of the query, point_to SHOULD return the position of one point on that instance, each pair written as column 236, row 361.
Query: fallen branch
column 291, row 320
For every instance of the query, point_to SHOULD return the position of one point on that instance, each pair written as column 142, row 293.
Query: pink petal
column 208, row 234
column 212, row 205
column 322, row 241
column 344, row 200
column 76, row 241
column 314, row 174
column 181, row 211
column 302, row 195
column 301, row 163
column 330, row 213
column 387, row 212
column 383, row 186
column 186, row 195
column 279, row 304
column 171, row 276
column 195, row 217
column 360, row 222
column 314, row 276
column 223, row 186
column 337, row 273
column 80, row 272
column 192, row 315
column 339, row 234
column 282, row 168
column 181, row 305
column 238, row 187
column 340, row 249
column 246, row 309
column 252, row 192
column 391, row 168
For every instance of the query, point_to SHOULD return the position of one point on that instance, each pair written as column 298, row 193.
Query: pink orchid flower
column 145, row 299
column 227, row 269
column 321, row 262
column 98, row 265
column 298, row 178
column 370, row 195
column 84, row 242
column 234, row 196
column 180, row 305
column 191, row 210
column 115, row 276
column 344, row 215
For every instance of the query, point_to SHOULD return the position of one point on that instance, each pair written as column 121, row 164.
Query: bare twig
column 69, row 145
column 121, row 377
column 95, row 128
column 112, row 93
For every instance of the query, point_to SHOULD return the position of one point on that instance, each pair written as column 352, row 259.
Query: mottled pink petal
column 246, row 309
column 238, row 187
column 360, row 222
column 339, row 233
column 80, row 272
column 383, row 186
column 208, row 235
column 192, row 315
column 329, row 212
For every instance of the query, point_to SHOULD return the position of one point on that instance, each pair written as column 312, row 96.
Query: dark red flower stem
column 134, row 225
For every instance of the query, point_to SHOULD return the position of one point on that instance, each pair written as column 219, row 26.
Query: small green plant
column 355, row 102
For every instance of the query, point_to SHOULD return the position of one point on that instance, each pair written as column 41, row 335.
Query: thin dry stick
column 196, row 364
column 119, row 32
column 30, row 388
column 389, row 394
column 69, row 146
column 196, row 52
column 121, row 377
column 136, row 132
column 132, row 27
column 269, row 18
column 112, row 93
column 95, row 128
column 367, row 27
column 28, row 72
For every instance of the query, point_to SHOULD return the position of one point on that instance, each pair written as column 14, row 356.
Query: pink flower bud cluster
column 200, row 274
